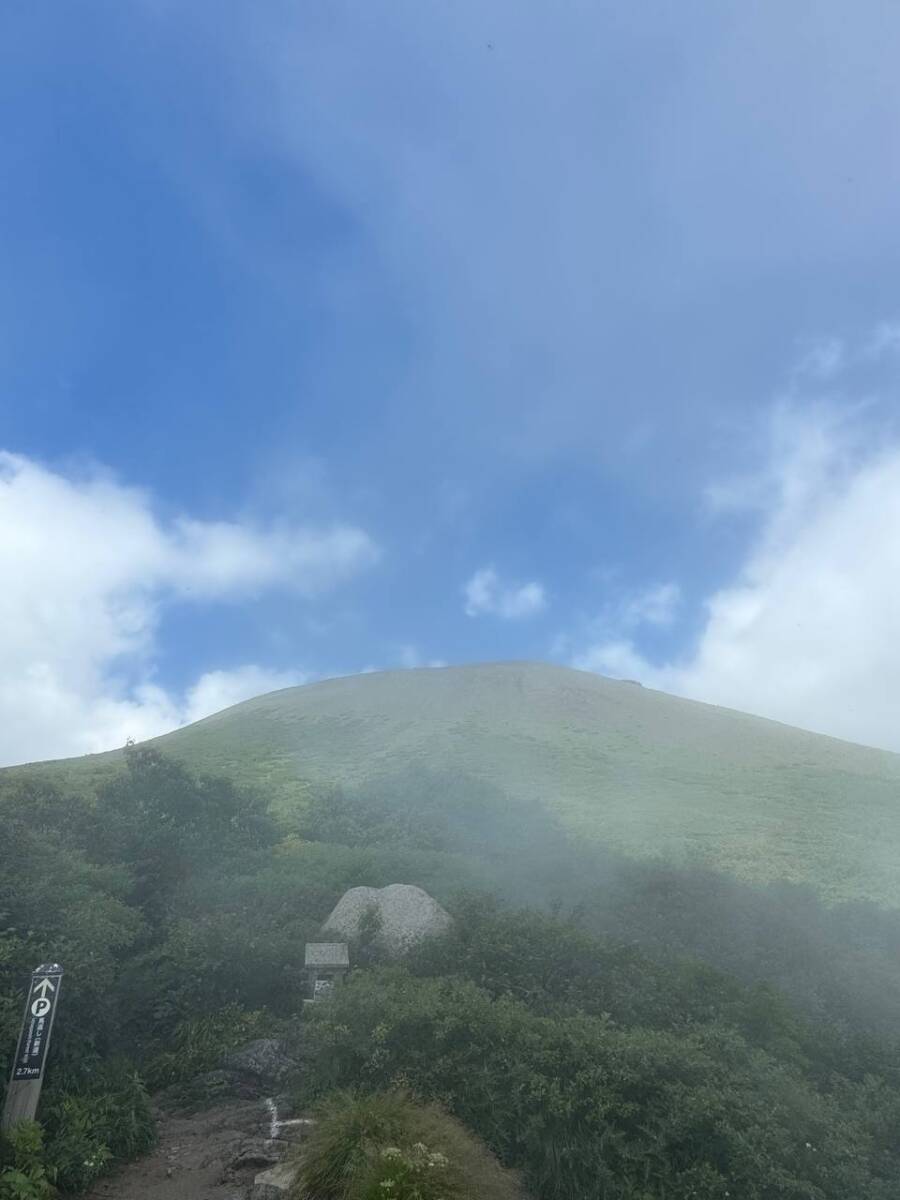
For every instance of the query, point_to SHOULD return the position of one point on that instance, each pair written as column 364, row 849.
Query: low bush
column 93, row 1118
column 585, row 1107
column 556, row 967
column 23, row 1173
column 391, row 1146
column 589, row 1050
column 199, row 1044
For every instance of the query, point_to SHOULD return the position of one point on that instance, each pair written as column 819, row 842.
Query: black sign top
column 40, row 1009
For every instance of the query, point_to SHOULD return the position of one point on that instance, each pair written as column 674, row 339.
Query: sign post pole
column 34, row 1041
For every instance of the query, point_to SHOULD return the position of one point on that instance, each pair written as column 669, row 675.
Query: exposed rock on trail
column 259, row 1069
column 273, row 1184
column 265, row 1064
column 194, row 1157
column 226, row 1153
column 234, row 1149
column 404, row 915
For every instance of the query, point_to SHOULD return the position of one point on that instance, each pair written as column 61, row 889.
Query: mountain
column 642, row 771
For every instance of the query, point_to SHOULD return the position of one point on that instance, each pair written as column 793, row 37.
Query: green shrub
column 23, row 1172
column 585, row 1107
column 166, row 823
column 591, row 1052
column 390, row 1146
column 557, row 968
column 199, row 1043
column 93, row 1118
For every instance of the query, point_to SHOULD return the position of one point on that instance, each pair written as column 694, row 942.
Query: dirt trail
column 212, row 1155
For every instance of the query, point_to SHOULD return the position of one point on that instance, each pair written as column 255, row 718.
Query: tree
column 166, row 824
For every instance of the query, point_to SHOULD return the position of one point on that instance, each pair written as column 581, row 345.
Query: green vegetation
column 585, row 1106
column 391, row 1146
column 636, row 1030
column 23, row 1173
column 633, row 770
column 198, row 1043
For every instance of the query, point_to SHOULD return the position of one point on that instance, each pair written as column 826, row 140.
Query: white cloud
column 486, row 595
column 218, row 559
column 411, row 658
column 823, row 360
column 885, row 339
column 87, row 568
column 408, row 657
column 221, row 689
column 808, row 632
column 655, row 605
column 610, row 650
column 615, row 657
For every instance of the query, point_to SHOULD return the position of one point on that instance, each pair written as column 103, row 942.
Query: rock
column 404, row 913
column 266, row 1059
column 264, row 1062
column 256, row 1152
column 294, row 1130
column 203, row 1091
column 285, row 1103
column 274, row 1184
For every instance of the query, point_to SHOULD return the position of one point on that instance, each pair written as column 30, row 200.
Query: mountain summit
column 642, row 771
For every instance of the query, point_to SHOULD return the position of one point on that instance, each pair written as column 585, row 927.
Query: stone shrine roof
column 327, row 954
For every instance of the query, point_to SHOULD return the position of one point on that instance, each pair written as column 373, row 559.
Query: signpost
column 34, row 1041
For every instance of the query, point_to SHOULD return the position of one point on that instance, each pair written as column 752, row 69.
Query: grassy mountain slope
column 645, row 772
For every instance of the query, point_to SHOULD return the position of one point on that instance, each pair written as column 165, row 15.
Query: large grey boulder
column 404, row 915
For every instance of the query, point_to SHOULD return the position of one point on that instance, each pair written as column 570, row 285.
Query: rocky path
column 225, row 1153
column 237, row 1148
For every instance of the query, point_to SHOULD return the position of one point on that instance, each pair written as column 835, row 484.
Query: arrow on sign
column 43, row 987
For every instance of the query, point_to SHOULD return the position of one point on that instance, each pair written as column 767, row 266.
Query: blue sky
column 340, row 336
